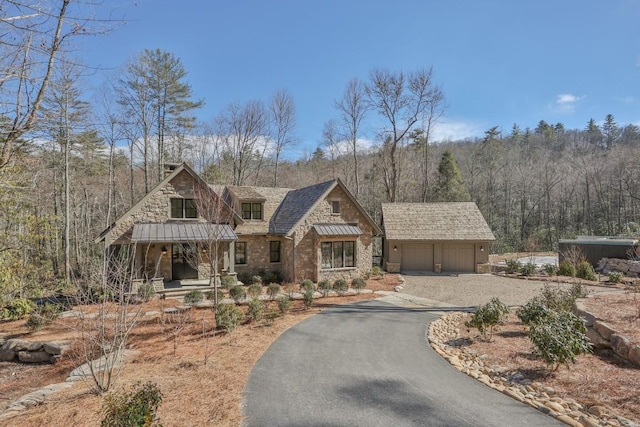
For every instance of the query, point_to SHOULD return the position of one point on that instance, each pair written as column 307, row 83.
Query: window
column 241, row 252
column 335, row 207
column 252, row 211
column 183, row 208
column 274, row 251
column 338, row 254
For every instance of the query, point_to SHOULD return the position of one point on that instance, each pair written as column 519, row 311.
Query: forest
column 72, row 159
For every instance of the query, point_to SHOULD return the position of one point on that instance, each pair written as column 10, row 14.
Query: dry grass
column 596, row 379
column 202, row 382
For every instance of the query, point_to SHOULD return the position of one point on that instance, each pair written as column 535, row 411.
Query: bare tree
column 242, row 129
column 331, row 141
column 352, row 108
column 283, row 119
column 33, row 35
column 402, row 100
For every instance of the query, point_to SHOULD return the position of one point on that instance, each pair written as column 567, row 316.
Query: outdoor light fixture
column 395, row 248
column 164, row 250
column 481, row 248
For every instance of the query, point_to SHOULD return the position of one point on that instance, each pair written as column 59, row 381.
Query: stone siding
column 307, row 242
column 258, row 255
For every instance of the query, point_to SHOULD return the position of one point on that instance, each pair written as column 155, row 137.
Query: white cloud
column 455, row 131
column 565, row 103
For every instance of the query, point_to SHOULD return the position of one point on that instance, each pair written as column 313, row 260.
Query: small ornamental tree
column 307, row 285
column 307, row 298
column 487, row 317
column 273, row 290
column 237, row 292
column 255, row 289
column 256, row 309
column 284, row 304
column 324, row 286
column 559, row 337
column 358, row 284
column 228, row 316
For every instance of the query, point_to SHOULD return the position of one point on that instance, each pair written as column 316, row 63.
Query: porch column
column 229, row 258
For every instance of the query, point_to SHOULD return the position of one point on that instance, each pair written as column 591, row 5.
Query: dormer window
column 252, row 211
column 183, row 208
column 335, row 207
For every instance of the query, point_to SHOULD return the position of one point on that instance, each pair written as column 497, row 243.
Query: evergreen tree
column 450, row 187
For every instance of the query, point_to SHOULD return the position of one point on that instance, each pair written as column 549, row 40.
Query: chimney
column 170, row 167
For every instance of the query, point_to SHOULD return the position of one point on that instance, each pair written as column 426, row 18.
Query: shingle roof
column 182, row 232
column 435, row 221
column 271, row 197
column 296, row 205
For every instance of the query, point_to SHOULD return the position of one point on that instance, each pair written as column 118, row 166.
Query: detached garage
column 435, row 237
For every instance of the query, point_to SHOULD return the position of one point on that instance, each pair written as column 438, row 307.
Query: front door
column 184, row 261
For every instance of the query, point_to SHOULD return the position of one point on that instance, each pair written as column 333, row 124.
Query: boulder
column 33, row 356
column 55, row 348
column 596, row 339
column 604, row 329
column 620, row 345
column 634, row 354
column 580, row 309
column 7, row 354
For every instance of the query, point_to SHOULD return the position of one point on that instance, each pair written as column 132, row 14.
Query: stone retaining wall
column 603, row 336
column 445, row 340
column 14, row 350
column 625, row 266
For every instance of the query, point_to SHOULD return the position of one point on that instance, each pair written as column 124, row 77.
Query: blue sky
column 498, row 62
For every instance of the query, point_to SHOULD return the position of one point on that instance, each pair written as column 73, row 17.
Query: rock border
column 444, row 338
column 604, row 336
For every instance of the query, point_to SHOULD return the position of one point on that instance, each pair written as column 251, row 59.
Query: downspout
column 293, row 240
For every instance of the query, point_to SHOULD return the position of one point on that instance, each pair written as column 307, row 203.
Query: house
column 316, row 232
column 437, row 237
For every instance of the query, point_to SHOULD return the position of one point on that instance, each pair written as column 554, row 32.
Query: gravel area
column 471, row 290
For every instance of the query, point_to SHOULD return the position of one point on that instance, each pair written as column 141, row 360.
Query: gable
column 154, row 207
column 447, row 221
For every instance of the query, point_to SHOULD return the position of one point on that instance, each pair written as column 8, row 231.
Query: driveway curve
column 369, row 364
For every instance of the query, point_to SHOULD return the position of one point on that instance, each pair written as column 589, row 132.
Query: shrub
column 193, row 297
column 43, row 316
column 273, row 276
column 136, row 407
column 227, row 282
column 307, row 298
column 284, row 305
column 528, row 269
column 211, row 295
column 615, row 276
column 358, row 284
column 324, row 286
column 558, row 299
column 533, row 311
column 513, row 266
column 488, row 316
column 290, row 288
column 256, row 280
column 567, row 269
column 376, row 272
column 340, row 286
column 559, row 338
column 228, row 316
column 272, row 315
column 237, row 292
column 256, row 309
column 17, row 308
column 273, row 290
column 550, row 269
column 585, row 271
column 146, row 291
column 307, row 285
column 254, row 289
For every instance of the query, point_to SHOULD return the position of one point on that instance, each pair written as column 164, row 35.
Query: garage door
column 458, row 258
column 417, row 256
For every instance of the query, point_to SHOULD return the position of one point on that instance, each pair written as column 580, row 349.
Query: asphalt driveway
column 369, row 364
